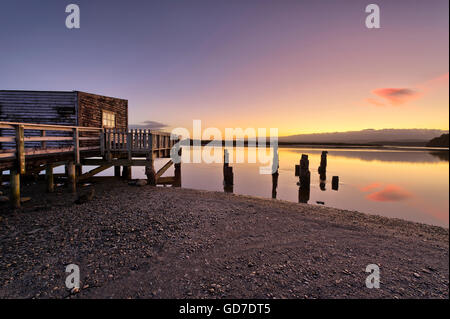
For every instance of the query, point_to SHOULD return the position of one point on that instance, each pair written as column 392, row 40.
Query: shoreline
column 181, row 243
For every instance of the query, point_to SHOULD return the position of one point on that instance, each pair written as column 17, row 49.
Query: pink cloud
column 391, row 193
column 397, row 96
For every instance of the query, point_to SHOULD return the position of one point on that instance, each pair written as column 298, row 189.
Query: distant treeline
column 254, row 142
column 441, row 141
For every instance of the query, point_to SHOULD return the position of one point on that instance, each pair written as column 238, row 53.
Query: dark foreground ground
column 146, row 242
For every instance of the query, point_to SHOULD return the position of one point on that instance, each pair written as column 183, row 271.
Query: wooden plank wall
column 40, row 107
column 90, row 107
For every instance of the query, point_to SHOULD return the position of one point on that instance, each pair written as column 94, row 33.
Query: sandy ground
column 147, row 242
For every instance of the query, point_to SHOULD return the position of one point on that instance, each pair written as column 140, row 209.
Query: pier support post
column 126, row 172
column 14, row 184
column 150, row 171
column 117, row 171
column 49, row 179
column 71, row 176
column 78, row 171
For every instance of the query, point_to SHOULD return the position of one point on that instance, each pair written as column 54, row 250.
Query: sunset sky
column 299, row 66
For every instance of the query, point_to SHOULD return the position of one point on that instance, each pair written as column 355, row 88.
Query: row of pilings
column 302, row 171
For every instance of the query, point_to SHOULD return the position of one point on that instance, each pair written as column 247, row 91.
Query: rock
column 141, row 182
column 416, row 275
column 85, row 197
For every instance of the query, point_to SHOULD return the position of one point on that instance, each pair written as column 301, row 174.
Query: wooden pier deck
column 28, row 148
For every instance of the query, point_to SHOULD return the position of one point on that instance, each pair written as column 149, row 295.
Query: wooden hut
column 73, row 108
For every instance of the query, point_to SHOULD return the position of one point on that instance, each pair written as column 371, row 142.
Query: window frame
column 109, row 118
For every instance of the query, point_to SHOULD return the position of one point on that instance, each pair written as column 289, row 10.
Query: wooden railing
column 136, row 141
column 19, row 140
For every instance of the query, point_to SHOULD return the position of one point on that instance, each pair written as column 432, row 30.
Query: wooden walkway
column 31, row 148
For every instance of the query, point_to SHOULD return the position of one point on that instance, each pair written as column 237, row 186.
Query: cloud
column 396, row 96
column 399, row 96
column 391, row 193
column 148, row 125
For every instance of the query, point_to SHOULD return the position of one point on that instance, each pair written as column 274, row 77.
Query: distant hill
column 370, row 136
column 441, row 141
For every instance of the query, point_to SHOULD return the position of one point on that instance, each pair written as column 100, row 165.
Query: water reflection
column 409, row 185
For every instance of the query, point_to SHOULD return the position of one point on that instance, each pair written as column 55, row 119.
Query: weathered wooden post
column 49, row 178
column 20, row 149
column 76, row 145
column 150, row 167
column 303, row 195
column 71, row 176
column 323, row 170
column 302, row 171
column 228, row 177
column 177, row 182
column 78, row 171
column 117, row 171
column 275, row 166
column 14, row 182
column 126, row 172
column 335, row 183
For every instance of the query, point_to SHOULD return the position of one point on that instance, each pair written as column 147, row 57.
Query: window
column 108, row 119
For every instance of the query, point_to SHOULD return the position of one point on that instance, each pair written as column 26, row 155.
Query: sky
column 299, row 66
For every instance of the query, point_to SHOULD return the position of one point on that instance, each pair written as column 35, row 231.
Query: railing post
column 102, row 142
column 108, row 144
column 76, row 145
column 129, row 141
column 43, row 143
column 20, row 149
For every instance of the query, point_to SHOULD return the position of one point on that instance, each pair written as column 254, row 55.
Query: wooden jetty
column 90, row 146
column 40, row 130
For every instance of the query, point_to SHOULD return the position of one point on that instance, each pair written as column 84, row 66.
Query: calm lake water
column 411, row 185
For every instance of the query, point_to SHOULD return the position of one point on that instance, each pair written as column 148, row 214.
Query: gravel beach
column 155, row 242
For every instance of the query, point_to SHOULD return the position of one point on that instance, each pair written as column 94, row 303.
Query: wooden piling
column 126, row 172
column 49, row 179
column 177, row 166
column 335, row 183
column 150, row 171
column 228, row 178
column 117, row 171
column 303, row 172
column 71, row 177
column 14, row 183
column 275, row 166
